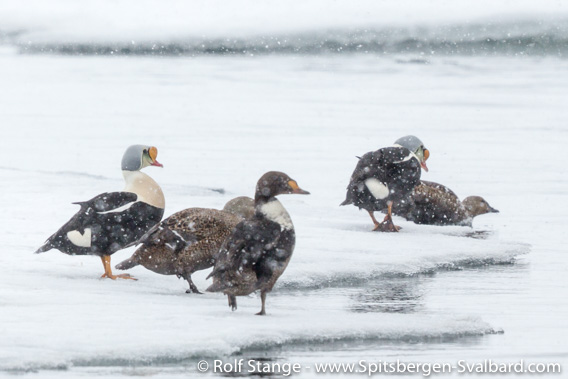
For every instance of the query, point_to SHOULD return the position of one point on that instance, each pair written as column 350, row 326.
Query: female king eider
column 188, row 240
column 435, row 204
column 259, row 249
column 113, row 220
column 386, row 176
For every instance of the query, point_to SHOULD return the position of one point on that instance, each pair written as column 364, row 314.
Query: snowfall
column 496, row 126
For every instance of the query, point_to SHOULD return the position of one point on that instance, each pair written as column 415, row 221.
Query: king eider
column 187, row 241
column 386, row 176
column 435, row 204
column 259, row 249
column 113, row 220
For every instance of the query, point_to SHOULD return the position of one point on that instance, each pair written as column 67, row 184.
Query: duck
column 385, row 177
column 242, row 206
column 259, row 249
column 187, row 241
column 432, row 203
column 112, row 221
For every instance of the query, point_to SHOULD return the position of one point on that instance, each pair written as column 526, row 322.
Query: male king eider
column 435, row 204
column 187, row 241
column 386, row 176
column 259, row 249
column 113, row 220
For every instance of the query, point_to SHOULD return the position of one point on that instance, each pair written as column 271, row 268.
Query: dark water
column 521, row 38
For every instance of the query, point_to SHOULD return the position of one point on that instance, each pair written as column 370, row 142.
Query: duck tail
column 45, row 247
column 346, row 202
column 127, row 263
column 217, row 286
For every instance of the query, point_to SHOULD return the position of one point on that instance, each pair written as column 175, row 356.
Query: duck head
column 476, row 205
column 416, row 146
column 136, row 157
column 275, row 183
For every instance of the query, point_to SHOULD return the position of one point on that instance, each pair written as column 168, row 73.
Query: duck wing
column 385, row 165
column 435, row 195
column 440, row 187
column 160, row 246
column 188, row 238
column 86, row 216
column 246, row 250
column 370, row 165
column 210, row 228
column 104, row 224
column 175, row 231
column 108, row 202
column 435, row 204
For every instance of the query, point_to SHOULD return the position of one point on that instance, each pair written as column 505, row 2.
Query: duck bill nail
column 300, row 191
column 423, row 164
column 157, row 164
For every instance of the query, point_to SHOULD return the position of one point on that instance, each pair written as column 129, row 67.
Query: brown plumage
column 186, row 241
column 242, row 206
column 432, row 203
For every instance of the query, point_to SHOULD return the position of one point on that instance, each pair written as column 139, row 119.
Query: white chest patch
column 78, row 239
column 274, row 211
column 378, row 190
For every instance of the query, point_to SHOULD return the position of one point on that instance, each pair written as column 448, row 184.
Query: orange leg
column 377, row 224
column 108, row 272
column 388, row 225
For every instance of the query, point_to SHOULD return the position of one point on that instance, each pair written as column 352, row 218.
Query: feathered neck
column 274, row 211
column 146, row 188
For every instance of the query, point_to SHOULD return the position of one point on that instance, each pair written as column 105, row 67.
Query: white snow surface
column 492, row 125
column 57, row 313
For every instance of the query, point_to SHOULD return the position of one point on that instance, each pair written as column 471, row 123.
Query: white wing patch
column 119, row 209
column 408, row 157
column 274, row 211
column 178, row 235
column 378, row 189
column 78, row 239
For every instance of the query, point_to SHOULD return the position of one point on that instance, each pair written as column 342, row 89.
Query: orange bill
column 153, row 152
column 296, row 189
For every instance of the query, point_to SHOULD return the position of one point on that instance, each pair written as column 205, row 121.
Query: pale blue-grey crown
column 412, row 143
column 132, row 158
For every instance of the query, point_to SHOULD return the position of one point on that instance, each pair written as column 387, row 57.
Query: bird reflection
column 393, row 295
